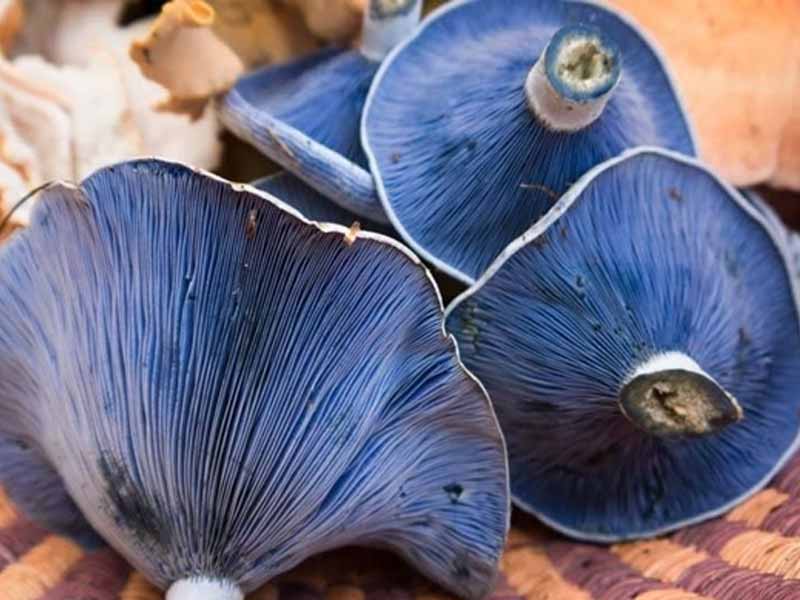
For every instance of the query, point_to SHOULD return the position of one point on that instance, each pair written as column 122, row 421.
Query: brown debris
column 251, row 227
column 352, row 233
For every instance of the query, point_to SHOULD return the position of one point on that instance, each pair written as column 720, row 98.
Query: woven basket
column 752, row 553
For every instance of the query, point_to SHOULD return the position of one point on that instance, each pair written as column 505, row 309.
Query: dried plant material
column 263, row 32
column 57, row 123
column 12, row 188
column 100, row 126
column 182, row 53
column 39, row 115
column 332, row 20
column 65, row 121
column 16, row 153
column 739, row 70
column 197, row 49
column 12, row 15
column 86, row 30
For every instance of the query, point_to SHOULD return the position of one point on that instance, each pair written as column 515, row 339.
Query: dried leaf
column 182, row 53
column 197, row 49
column 88, row 29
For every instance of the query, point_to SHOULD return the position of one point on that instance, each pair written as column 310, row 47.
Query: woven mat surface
column 753, row 553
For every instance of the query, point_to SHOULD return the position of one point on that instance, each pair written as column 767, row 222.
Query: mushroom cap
column 648, row 254
column 781, row 231
column 304, row 115
column 460, row 163
column 320, row 95
column 225, row 388
column 311, row 204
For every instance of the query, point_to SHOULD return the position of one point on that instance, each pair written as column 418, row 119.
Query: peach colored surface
column 737, row 63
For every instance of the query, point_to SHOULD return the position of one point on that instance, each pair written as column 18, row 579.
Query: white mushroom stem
column 386, row 24
column 668, row 361
column 204, row 589
column 671, row 395
column 572, row 81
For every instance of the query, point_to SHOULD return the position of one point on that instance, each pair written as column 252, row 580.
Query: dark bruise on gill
column 675, row 194
column 454, row 492
column 128, row 505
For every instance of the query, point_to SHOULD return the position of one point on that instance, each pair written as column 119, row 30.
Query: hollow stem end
column 573, row 79
column 672, row 396
column 204, row 589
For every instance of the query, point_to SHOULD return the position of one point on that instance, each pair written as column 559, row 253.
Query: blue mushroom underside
column 463, row 167
column 321, row 96
column 225, row 389
column 653, row 256
column 311, row 204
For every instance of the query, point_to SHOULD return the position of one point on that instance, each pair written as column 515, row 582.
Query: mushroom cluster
column 613, row 313
column 220, row 380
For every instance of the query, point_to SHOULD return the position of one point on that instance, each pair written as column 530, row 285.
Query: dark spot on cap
column 675, row 194
column 129, row 506
column 395, row 158
column 460, row 568
column 454, row 491
column 744, row 337
column 539, row 241
column 731, row 264
column 602, row 457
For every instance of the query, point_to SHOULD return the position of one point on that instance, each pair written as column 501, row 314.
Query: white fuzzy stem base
column 204, row 589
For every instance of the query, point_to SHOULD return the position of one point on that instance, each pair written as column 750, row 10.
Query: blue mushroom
column 782, row 232
column 641, row 344
column 304, row 115
column 222, row 388
column 311, row 204
column 478, row 122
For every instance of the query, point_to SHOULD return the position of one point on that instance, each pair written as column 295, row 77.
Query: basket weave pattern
column 753, row 553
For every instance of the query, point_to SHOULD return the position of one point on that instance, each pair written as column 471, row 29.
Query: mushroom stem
column 386, row 24
column 670, row 395
column 573, row 79
column 204, row 589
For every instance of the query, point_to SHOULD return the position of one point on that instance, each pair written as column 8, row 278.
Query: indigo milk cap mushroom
column 481, row 119
column 305, row 115
column 222, row 388
column 641, row 345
